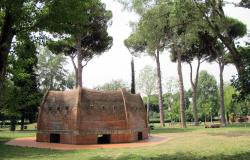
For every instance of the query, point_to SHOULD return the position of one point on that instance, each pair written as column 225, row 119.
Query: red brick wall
column 89, row 113
column 42, row 137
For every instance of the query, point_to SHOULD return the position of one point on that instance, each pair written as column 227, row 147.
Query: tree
column 89, row 37
column 8, row 104
column 51, row 72
column 207, row 48
column 29, row 16
column 228, row 100
column 222, row 63
column 133, row 53
column 149, row 37
column 207, row 94
column 70, row 80
column 200, row 49
column 132, row 76
column 25, row 78
column 15, row 18
column 146, row 83
column 53, row 16
column 245, row 3
column 113, row 85
column 21, row 94
column 242, row 83
column 225, row 28
column 182, row 19
column 171, row 86
column 164, row 31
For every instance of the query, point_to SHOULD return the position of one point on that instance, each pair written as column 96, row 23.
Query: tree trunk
column 205, row 119
column 22, row 123
column 12, row 123
column 7, row 34
column 227, row 115
column 195, row 111
column 194, row 88
column 51, row 84
column 79, row 73
column 76, row 75
column 222, row 104
column 132, row 76
column 160, row 98
column 234, row 53
column 75, row 69
column 181, row 88
column 79, row 62
column 148, row 108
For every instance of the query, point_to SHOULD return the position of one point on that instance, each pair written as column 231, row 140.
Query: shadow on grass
column 230, row 134
column 173, row 130
column 12, row 152
column 179, row 156
column 26, row 131
column 4, row 140
column 239, row 125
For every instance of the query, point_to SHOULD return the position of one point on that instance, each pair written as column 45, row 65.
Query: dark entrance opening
column 54, row 138
column 140, row 136
column 103, row 139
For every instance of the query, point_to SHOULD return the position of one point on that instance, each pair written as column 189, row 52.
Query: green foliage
column 8, row 105
column 229, row 92
column 24, row 14
column 242, row 83
column 236, row 28
column 207, row 94
column 21, row 94
column 171, row 85
column 226, row 29
column 135, row 44
column 65, row 46
column 88, row 34
column 138, row 6
column 113, row 85
column 241, row 108
column 232, row 105
column 150, row 35
column 51, row 72
column 58, row 17
column 245, row 3
column 146, row 81
column 172, row 105
column 92, row 31
column 70, row 80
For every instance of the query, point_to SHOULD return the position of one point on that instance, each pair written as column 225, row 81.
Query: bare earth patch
column 31, row 142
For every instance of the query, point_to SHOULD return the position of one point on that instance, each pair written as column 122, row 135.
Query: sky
column 115, row 63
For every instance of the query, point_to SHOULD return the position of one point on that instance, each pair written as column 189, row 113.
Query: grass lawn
column 193, row 143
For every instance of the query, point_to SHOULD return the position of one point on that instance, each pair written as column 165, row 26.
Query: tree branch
column 191, row 74
column 86, row 63
column 73, row 62
column 197, row 72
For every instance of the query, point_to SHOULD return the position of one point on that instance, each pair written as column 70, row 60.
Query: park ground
column 192, row 143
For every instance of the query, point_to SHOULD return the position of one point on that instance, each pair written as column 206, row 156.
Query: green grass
column 193, row 143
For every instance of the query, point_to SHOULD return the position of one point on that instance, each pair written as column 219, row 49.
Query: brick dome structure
column 83, row 116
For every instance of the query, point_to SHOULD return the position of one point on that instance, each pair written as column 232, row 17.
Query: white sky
column 115, row 63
